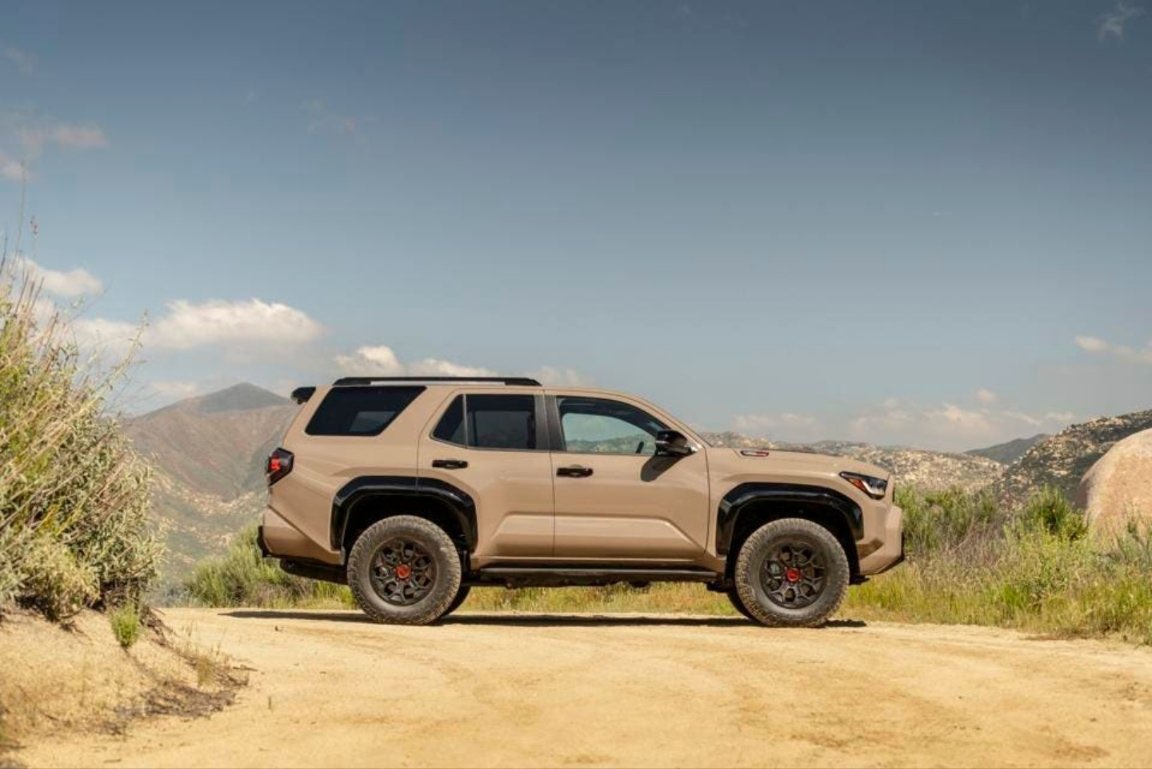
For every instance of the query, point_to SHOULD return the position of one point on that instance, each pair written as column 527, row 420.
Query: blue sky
column 919, row 223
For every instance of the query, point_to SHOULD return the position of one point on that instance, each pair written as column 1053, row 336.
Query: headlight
column 873, row 487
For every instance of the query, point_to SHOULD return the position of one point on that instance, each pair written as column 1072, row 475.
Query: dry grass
column 80, row 678
column 969, row 562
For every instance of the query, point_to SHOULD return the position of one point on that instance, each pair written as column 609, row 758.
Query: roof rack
column 520, row 381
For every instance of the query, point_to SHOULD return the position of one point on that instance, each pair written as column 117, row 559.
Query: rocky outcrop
column 1118, row 487
column 1007, row 453
column 1062, row 459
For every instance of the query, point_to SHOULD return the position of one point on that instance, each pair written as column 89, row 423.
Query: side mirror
column 672, row 443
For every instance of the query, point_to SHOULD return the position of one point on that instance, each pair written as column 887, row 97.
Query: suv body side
column 534, row 505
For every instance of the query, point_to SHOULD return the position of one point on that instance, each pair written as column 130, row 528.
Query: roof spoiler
column 302, row 394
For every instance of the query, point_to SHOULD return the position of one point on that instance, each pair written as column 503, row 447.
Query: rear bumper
column 891, row 552
column 278, row 538
column 260, row 542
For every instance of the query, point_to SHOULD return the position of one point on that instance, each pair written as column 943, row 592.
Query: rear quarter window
column 360, row 411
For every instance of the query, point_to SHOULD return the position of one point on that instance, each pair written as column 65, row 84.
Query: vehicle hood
column 776, row 463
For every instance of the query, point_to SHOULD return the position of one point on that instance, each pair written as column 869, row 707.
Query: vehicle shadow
column 526, row 620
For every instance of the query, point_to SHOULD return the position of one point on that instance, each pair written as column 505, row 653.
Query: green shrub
column 1049, row 510
column 1036, row 570
column 126, row 624
column 74, row 497
column 242, row 577
column 55, row 581
column 936, row 521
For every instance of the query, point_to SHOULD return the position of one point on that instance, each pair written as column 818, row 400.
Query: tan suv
column 415, row 490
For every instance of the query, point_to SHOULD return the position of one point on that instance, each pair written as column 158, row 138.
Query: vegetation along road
column 329, row 688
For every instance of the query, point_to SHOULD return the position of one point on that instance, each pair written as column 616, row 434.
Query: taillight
column 279, row 465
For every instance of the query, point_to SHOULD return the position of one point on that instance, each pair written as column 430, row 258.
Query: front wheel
column 404, row 570
column 461, row 597
column 791, row 573
column 738, row 604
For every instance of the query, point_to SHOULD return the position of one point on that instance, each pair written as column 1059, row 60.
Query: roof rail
column 521, row 381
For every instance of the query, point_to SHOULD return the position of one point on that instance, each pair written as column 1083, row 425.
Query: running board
column 561, row 576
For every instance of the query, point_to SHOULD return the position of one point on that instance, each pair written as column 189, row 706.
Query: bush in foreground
column 74, row 497
column 126, row 624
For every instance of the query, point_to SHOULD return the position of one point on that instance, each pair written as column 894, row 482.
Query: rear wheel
column 791, row 573
column 404, row 570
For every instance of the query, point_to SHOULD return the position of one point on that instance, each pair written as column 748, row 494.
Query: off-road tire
column 461, row 597
column 768, row 540
column 438, row 547
column 738, row 603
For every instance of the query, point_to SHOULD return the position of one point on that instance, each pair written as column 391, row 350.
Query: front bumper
column 891, row 552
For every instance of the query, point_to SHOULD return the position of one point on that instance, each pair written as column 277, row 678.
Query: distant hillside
column 209, row 455
column 1007, row 453
column 916, row 467
column 1062, row 459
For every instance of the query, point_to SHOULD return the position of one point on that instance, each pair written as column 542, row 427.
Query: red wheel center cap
column 792, row 574
column 403, row 571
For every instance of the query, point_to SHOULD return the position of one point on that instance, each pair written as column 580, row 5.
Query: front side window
column 490, row 422
column 360, row 411
column 601, row 426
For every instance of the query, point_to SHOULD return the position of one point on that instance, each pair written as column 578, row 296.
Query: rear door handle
column 450, row 464
column 574, row 471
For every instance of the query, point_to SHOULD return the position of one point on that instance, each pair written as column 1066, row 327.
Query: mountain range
column 208, row 454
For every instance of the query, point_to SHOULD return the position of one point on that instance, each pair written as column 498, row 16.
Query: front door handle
column 574, row 471
column 450, row 464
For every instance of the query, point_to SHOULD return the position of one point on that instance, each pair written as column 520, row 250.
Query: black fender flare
column 741, row 496
column 459, row 503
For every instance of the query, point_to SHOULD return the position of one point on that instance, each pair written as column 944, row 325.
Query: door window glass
column 501, row 421
column 601, row 426
column 490, row 422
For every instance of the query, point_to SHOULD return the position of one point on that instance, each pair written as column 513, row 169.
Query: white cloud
column 558, row 377
column 74, row 136
column 78, row 136
column 1099, row 346
column 102, row 334
column 949, row 425
column 22, row 60
column 380, row 360
column 1112, row 23
column 783, row 425
column 174, row 389
column 11, row 168
column 216, row 321
column 33, row 133
column 70, row 283
column 987, row 397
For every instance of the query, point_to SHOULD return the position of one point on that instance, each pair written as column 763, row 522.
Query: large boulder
column 1118, row 487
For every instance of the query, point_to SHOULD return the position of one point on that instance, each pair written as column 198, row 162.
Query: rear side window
column 360, row 410
column 451, row 427
column 490, row 422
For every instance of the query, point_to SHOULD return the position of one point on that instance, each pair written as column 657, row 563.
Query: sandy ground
column 510, row 690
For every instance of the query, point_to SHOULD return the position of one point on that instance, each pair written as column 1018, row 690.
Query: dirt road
column 509, row 690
